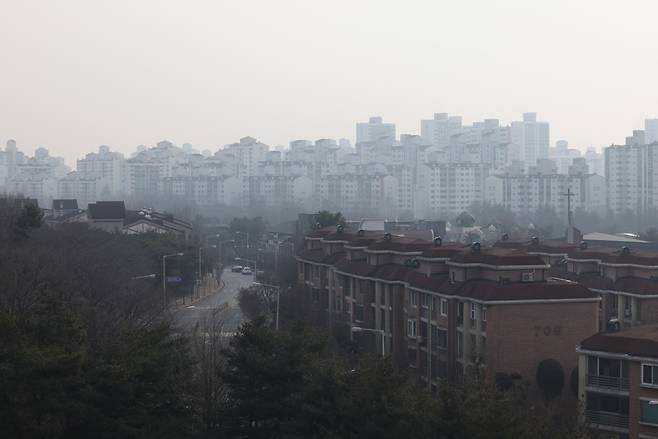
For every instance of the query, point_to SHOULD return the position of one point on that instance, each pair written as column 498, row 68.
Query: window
column 425, row 300
column 411, row 355
column 316, row 294
column 444, row 307
column 339, row 304
column 439, row 338
column 650, row 374
column 484, row 313
column 473, row 311
column 411, row 328
column 358, row 312
column 413, row 297
column 648, row 411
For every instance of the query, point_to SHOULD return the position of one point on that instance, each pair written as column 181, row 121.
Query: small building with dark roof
column 107, row 215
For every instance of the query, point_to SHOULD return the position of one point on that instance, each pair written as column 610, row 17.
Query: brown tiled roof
column 350, row 236
column 487, row 290
column 483, row 290
column 335, row 258
column 633, row 257
column 550, row 246
column 636, row 285
column 314, row 255
column 317, row 255
column 627, row 284
column 592, row 252
column 640, row 341
column 319, row 233
column 497, row 256
column 362, row 242
column 444, row 251
column 400, row 245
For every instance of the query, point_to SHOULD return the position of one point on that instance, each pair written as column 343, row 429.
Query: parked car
column 237, row 269
column 246, row 270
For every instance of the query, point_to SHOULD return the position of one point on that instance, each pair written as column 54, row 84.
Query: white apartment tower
column 632, row 178
column 529, row 140
column 105, row 166
column 374, row 130
column 438, row 131
column 651, row 130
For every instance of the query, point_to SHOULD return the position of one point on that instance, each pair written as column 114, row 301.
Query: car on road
column 246, row 270
column 237, row 269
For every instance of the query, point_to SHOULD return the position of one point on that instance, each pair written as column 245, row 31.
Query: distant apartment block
column 632, row 180
column 530, row 139
column 374, row 129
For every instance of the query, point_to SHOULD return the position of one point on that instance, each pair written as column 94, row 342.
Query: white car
column 246, row 270
column 237, row 269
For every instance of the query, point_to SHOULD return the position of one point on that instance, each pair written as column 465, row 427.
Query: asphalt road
column 185, row 318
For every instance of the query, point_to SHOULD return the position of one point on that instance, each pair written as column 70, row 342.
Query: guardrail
column 608, row 419
column 606, row 382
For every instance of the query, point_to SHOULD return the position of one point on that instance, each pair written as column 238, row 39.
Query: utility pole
column 570, row 235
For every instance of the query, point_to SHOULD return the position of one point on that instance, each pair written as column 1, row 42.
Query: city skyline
column 129, row 150
column 209, row 73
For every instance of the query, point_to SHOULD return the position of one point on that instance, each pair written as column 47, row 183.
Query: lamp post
column 373, row 331
column 164, row 278
column 278, row 296
column 200, row 275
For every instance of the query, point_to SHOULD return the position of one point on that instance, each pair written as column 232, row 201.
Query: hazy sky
column 75, row 74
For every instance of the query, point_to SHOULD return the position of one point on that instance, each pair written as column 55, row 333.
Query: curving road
column 185, row 318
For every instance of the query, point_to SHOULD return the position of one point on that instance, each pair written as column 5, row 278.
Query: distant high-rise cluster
column 439, row 173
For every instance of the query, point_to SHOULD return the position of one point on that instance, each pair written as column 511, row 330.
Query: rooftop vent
column 339, row 229
column 388, row 236
column 361, row 232
column 505, row 237
column 438, row 241
column 534, row 240
column 625, row 251
column 475, row 247
column 583, row 245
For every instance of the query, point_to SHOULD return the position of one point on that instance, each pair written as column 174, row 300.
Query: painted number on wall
column 548, row 330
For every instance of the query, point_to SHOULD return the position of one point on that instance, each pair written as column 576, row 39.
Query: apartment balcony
column 601, row 382
column 607, row 420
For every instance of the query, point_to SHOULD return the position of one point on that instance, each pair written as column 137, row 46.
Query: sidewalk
column 208, row 287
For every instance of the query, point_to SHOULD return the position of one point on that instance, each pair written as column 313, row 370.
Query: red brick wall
column 520, row 336
column 648, row 310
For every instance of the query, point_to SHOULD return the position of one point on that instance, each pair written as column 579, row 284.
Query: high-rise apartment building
column 106, row 165
column 632, row 178
column 651, row 130
column 374, row 129
column 529, row 140
column 438, row 130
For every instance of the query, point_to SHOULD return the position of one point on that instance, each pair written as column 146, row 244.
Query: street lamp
column 373, row 331
column 200, row 276
column 164, row 278
column 278, row 296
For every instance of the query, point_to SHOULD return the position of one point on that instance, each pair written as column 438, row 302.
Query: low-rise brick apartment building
column 625, row 278
column 444, row 308
column 618, row 382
